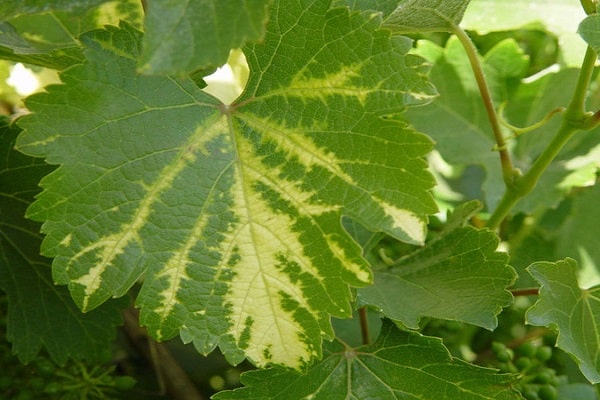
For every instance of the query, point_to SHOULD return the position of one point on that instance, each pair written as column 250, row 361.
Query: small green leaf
column 40, row 315
column 571, row 311
column 444, row 279
column 426, row 16
column 400, row 365
column 589, row 30
column 187, row 35
column 232, row 213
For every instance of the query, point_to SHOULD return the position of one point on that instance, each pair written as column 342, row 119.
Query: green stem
column 575, row 119
column 364, row 325
column 508, row 171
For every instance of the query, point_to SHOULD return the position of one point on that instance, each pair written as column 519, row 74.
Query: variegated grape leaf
column 183, row 36
column 444, row 279
column 400, row 365
column 426, row 16
column 40, row 315
column 573, row 312
column 231, row 214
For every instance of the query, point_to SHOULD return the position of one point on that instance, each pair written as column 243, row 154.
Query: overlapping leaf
column 14, row 8
column 186, row 35
column 444, row 279
column 573, row 312
column 47, row 35
column 39, row 313
column 232, row 213
column 426, row 15
column 400, row 365
column 458, row 117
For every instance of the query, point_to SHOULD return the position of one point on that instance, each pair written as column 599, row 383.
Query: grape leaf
column 49, row 39
column 589, row 30
column 13, row 8
column 576, row 238
column 560, row 17
column 232, row 23
column 232, row 213
column 426, row 16
column 39, row 313
column 458, row 117
column 457, row 269
column 576, row 165
column 400, row 365
column 571, row 311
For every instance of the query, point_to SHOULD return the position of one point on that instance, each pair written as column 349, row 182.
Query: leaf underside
column 230, row 215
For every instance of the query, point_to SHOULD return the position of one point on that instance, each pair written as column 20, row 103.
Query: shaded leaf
column 577, row 238
column 40, row 315
column 426, row 16
column 233, row 213
column 185, row 36
column 573, row 312
column 444, row 279
column 400, row 365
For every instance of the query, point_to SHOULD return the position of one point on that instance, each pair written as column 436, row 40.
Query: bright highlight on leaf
column 230, row 216
column 573, row 312
column 400, row 365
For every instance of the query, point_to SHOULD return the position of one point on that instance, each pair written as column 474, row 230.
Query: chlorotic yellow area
column 407, row 221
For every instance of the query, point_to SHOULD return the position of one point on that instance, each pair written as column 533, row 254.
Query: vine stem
column 364, row 325
column 508, row 171
column 574, row 119
column 525, row 292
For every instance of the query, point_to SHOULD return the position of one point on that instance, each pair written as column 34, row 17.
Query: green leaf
column 385, row 7
column 426, row 16
column 457, row 269
column 560, row 17
column 576, row 165
column 225, row 25
column 575, row 237
column 13, row 8
column 400, row 365
column 571, row 311
column 233, row 213
column 589, row 30
column 39, row 313
column 458, row 117
column 50, row 39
